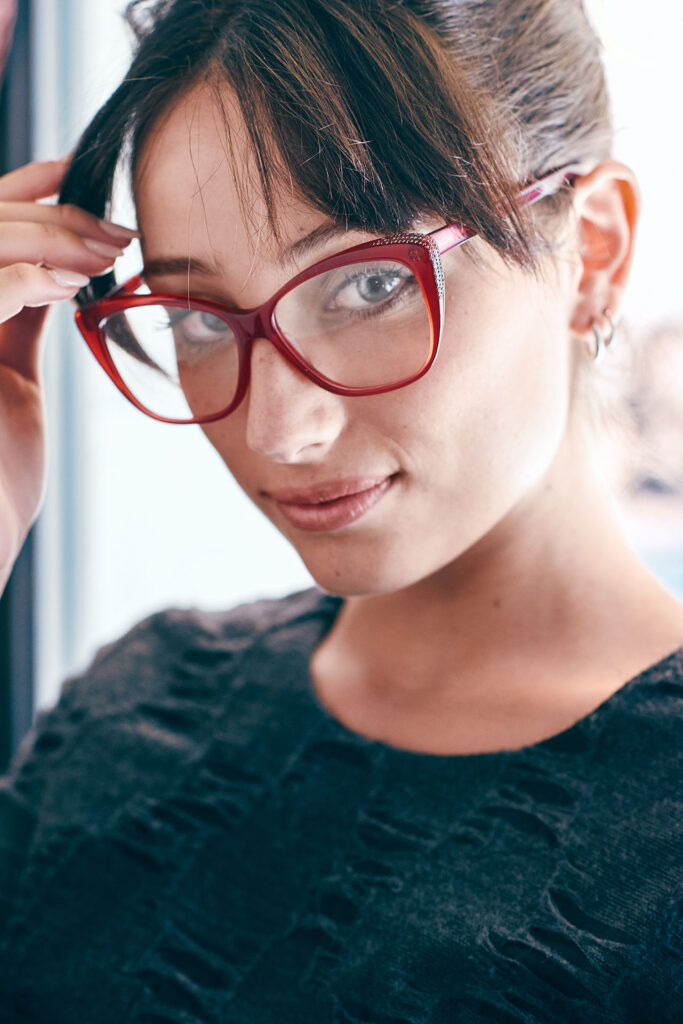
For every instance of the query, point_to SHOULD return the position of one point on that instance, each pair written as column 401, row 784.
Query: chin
column 368, row 577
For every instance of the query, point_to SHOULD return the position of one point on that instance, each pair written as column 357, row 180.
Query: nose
column 289, row 418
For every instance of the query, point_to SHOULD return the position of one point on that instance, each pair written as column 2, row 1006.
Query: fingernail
column 118, row 231
column 102, row 249
column 68, row 278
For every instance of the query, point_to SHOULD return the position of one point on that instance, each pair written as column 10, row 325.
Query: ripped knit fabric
column 190, row 836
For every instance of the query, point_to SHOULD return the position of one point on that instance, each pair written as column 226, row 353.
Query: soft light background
column 141, row 515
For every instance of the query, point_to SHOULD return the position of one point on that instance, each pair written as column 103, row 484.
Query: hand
column 47, row 253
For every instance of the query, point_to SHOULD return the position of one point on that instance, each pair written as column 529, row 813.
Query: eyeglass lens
column 359, row 325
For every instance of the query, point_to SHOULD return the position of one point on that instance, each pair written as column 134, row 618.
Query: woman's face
column 464, row 445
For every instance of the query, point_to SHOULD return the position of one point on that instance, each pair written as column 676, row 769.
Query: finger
column 26, row 293
column 24, row 284
column 72, row 218
column 48, row 243
column 33, row 181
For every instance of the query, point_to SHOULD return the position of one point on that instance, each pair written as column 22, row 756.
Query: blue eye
column 371, row 289
column 197, row 327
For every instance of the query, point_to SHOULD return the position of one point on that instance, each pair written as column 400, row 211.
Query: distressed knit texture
column 190, row 836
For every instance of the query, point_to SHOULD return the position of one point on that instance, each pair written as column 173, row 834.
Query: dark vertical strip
column 17, row 619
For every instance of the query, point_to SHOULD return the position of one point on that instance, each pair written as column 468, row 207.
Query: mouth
column 336, row 504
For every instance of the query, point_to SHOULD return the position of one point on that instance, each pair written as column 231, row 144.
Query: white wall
column 645, row 75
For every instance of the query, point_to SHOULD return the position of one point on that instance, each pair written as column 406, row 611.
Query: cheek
column 517, row 424
column 492, row 409
column 226, row 438
column 208, row 381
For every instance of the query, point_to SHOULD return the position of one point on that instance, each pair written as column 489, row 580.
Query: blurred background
column 141, row 515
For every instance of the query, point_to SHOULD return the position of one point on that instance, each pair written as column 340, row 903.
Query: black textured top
column 190, row 836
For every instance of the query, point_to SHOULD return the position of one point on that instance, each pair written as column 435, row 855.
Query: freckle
column 497, row 602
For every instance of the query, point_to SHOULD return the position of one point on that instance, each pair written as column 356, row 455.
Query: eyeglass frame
column 421, row 253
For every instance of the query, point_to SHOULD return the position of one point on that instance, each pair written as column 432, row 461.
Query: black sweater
column 189, row 836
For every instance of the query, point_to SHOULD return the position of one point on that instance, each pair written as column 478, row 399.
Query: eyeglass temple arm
column 129, row 287
column 120, row 290
column 448, row 237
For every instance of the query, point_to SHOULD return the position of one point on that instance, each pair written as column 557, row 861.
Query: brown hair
column 377, row 111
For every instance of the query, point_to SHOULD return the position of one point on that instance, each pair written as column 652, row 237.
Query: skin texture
column 491, row 598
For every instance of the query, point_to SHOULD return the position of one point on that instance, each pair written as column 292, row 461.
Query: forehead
column 196, row 182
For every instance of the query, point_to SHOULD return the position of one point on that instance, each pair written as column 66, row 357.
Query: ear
column 607, row 204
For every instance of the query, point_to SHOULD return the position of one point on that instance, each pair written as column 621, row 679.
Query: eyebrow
column 294, row 251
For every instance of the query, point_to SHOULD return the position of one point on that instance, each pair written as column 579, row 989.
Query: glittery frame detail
column 427, row 249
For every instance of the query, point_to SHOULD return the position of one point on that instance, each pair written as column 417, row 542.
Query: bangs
column 364, row 111
column 374, row 139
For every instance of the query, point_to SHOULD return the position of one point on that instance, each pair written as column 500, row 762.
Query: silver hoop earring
column 599, row 352
column 602, row 343
column 609, row 342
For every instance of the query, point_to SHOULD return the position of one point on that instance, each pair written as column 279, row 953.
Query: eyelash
column 409, row 282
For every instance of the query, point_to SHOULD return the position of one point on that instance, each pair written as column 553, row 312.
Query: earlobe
column 607, row 206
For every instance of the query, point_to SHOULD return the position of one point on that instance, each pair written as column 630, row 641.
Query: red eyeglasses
column 362, row 322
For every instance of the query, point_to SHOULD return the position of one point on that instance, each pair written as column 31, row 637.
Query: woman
column 441, row 785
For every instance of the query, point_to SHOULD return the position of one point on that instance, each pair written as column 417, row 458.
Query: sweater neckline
column 571, row 740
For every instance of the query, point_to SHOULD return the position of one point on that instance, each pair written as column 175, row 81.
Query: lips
column 339, row 502
column 331, row 490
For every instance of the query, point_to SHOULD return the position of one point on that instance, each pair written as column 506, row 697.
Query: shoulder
column 248, row 620
column 634, row 746
column 143, row 707
column 179, row 642
column 123, row 729
column 649, row 709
